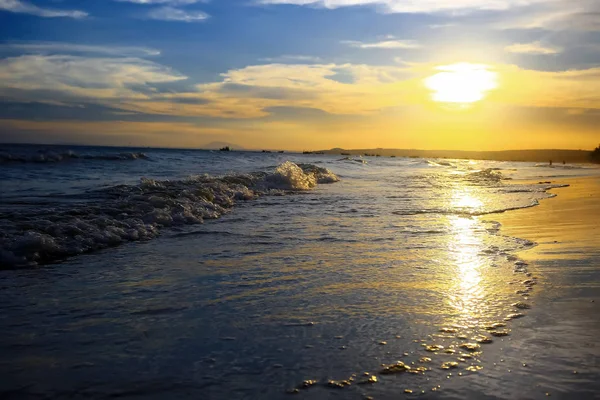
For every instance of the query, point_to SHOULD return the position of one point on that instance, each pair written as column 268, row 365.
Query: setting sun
column 461, row 83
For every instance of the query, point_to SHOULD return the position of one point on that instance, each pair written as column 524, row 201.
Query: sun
column 461, row 83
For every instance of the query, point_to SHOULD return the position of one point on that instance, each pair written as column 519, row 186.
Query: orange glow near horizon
column 462, row 105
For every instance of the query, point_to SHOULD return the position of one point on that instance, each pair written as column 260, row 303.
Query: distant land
column 220, row 145
column 538, row 155
column 557, row 156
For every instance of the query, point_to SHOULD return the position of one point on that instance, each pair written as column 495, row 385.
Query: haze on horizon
column 302, row 74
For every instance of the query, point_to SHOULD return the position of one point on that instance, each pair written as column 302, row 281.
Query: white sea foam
column 139, row 212
column 290, row 176
column 486, row 176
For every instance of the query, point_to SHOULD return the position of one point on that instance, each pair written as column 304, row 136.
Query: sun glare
column 461, row 83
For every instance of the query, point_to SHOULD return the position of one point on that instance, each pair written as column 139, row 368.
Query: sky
column 302, row 74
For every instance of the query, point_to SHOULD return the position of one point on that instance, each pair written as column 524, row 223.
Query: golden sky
column 471, row 74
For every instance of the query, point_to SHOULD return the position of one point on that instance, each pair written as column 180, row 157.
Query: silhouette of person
column 550, row 162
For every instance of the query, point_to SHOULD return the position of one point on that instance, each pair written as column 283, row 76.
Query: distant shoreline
column 541, row 155
column 529, row 155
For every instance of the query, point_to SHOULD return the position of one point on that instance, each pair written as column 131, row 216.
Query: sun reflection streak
column 467, row 293
column 465, row 248
column 465, row 201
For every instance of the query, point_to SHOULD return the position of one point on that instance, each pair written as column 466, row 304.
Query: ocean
column 165, row 274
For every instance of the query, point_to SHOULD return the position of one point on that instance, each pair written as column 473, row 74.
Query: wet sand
column 565, row 227
column 556, row 353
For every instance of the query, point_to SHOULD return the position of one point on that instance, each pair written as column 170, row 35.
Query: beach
column 163, row 274
column 558, row 340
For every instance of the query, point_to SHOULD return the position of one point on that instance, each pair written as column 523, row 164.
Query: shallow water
column 398, row 261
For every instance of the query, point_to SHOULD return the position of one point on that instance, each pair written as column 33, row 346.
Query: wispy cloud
column 169, row 2
column 287, row 58
column 384, row 44
column 68, row 78
column 574, row 15
column 175, row 14
column 441, row 26
column 404, row 6
column 535, row 48
column 23, row 7
column 74, row 48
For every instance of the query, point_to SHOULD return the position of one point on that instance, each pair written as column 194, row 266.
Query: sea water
column 155, row 273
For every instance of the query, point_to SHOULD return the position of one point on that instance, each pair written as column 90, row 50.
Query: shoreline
column 562, row 224
column 555, row 352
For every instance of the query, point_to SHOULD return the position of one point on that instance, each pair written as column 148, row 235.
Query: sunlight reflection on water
column 323, row 285
column 465, row 247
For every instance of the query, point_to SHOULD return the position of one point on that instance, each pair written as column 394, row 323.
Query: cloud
column 168, row 2
column 420, row 6
column 555, row 15
column 132, row 84
column 176, row 14
column 535, row 48
column 23, row 7
column 288, row 58
column 74, row 78
column 384, row 44
column 441, row 26
column 75, row 48
column 574, row 15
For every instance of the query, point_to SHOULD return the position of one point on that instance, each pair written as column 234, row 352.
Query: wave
column 486, row 176
column 467, row 213
column 125, row 213
column 438, row 163
column 559, row 166
column 47, row 156
column 356, row 160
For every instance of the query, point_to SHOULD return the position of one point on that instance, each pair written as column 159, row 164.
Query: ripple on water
column 340, row 384
column 308, row 383
column 494, row 326
column 449, row 365
column 469, row 346
column 398, row 367
column 521, row 305
column 514, row 316
column 433, row 347
column 369, row 380
column 448, row 330
column 482, row 339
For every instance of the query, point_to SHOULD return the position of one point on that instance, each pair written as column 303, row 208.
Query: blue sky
column 294, row 73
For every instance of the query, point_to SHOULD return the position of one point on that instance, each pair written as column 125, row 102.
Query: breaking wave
column 486, row 176
column 126, row 213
